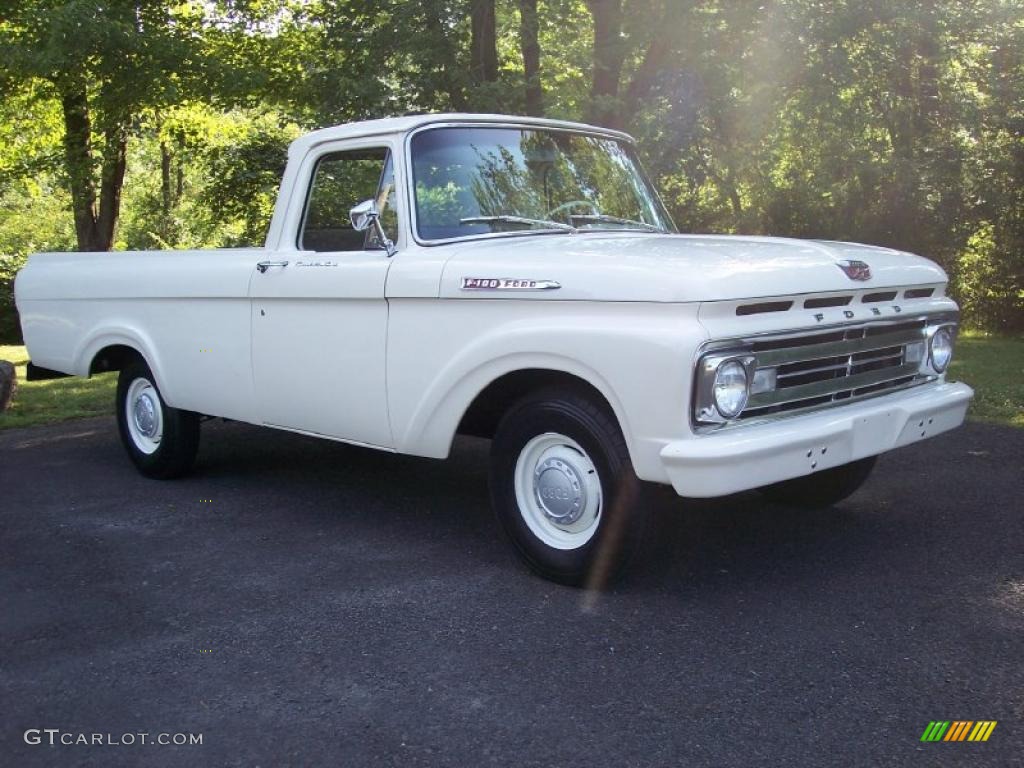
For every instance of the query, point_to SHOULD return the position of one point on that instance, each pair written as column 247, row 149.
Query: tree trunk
column 529, row 27
column 111, row 182
column 646, row 76
column 608, row 55
column 483, row 52
column 78, row 163
column 95, row 220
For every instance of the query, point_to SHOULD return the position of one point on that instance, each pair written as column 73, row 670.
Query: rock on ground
column 8, row 384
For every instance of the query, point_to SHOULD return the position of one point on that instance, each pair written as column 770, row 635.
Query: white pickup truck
column 516, row 279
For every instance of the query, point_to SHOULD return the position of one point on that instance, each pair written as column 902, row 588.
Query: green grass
column 994, row 366
column 45, row 402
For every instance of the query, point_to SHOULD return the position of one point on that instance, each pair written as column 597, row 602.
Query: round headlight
column 941, row 350
column 730, row 389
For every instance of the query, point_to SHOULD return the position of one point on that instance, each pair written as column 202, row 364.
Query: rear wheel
column 161, row 441
column 822, row 489
column 564, row 490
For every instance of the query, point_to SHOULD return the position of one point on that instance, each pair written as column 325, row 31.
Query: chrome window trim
column 740, row 346
column 319, row 158
column 295, row 211
column 410, row 186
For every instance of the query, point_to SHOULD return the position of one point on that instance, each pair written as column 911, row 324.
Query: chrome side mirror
column 366, row 215
column 362, row 215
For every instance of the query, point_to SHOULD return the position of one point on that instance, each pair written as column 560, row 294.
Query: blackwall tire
column 161, row 441
column 563, row 487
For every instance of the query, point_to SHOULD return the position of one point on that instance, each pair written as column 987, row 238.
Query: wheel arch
column 475, row 403
column 483, row 414
column 113, row 357
column 111, row 349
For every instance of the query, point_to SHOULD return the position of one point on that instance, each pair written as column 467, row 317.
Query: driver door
column 320, row 319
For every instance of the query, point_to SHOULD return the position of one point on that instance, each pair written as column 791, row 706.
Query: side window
column 340, row 181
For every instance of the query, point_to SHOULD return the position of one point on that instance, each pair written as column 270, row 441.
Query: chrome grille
column 816, row 369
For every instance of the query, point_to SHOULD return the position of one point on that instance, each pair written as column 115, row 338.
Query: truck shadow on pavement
column 694, row 544
column 922, row 507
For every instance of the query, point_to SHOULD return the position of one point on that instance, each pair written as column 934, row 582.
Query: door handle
column 263, row 266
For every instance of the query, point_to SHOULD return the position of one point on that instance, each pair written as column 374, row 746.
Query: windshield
column 474, row 181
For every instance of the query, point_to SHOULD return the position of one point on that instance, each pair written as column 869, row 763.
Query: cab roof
column 404, row 124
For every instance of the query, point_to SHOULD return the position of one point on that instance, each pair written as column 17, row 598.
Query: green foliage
column 244, row 174
column 203, row 178
column 990, row 284
column 900, row 124
column 10, row 331
column 30, row 135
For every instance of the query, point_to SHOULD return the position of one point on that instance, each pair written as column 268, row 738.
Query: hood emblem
column 855, row 270
column 507, row 284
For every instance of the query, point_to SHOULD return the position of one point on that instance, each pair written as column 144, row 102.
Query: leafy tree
column 897, row 124
column 244, row 177
column 104, row 63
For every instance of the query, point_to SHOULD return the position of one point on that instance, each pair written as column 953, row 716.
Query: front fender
column 442, row 354
column 454, row 390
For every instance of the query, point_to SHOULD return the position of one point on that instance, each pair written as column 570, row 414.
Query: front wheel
column 564, row 490
column 822, row 489
column 161, row 441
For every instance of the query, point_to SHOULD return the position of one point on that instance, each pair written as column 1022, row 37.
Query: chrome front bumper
column 738, row 459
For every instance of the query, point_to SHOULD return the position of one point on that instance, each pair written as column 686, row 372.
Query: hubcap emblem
column 560, row 491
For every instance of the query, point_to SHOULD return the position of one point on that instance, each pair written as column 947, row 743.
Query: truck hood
column 672, row 268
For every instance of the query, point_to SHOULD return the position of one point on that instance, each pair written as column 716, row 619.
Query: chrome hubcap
column 145, row 415
column 558, row 491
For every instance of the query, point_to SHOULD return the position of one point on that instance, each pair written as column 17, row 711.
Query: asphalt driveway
column 298, row 602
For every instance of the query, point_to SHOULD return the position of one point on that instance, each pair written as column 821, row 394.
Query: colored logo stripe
column 958, row 730
column 982, row 730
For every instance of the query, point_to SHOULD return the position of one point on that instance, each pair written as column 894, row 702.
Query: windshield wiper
column 506, row 219
column 601, row 218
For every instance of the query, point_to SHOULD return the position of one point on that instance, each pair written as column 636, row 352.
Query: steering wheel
column 569, row 205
